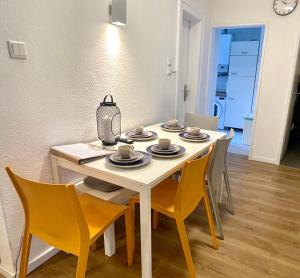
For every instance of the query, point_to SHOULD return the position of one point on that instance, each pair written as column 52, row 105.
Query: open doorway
column 237, row 61
column 291, row 146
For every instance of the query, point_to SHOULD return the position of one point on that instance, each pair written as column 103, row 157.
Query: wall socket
column 17, row 50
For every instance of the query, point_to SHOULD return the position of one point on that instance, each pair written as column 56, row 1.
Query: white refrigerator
column 241, row 82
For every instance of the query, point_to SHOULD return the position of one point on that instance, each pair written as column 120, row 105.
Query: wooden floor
column 261, row 240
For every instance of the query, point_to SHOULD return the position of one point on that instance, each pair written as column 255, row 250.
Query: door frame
column 184, row 9
column 212, row 77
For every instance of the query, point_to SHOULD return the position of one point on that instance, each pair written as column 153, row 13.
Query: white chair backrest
column 217, row 163
column 202, row 121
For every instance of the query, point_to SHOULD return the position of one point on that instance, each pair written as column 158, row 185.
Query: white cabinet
column 242, row 66
column 238, row 101
column 245, row 48
column 225, row 44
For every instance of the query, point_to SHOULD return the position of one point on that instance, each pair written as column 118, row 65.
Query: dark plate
column 167, row 155
column 199, row 139
column 141, row 138
column 145, row 134
column 116, row 158
column 178, row 128
column 144, row 161
column 199, row 136
column 173, row 149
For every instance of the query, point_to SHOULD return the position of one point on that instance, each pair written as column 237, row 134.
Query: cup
column 125, row 151
column 139, row 130
column 194, row 131
column 164, row 144
column 173, row 123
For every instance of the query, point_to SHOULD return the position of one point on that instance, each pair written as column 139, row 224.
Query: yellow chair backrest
column 191, row 188
column 52, row 213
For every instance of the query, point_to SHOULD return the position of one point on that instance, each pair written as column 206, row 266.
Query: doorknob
column 185, row 92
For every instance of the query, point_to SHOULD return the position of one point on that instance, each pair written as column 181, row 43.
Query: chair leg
column 210, row 221
column 186, row 247
column 82, row 262
column 155, row 219
column 25, row 254
column 132, row 209
column 216, row 211
column 227, row 185
column 129, row 236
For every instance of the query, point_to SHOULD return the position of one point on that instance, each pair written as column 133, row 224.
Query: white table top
column 159, row 168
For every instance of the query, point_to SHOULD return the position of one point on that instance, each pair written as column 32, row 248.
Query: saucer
column 177, row 128
column 172, row 149
column 145, row 134
column 198, row 136
column 135, row 156
column 180, row 152
column 146, row 159
column 205, row 137
column 135, row 137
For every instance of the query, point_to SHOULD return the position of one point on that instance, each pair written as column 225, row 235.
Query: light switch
column 17, row 50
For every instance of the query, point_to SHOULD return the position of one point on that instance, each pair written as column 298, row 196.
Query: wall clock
column 284, row 7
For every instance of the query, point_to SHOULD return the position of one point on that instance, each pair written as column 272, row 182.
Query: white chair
column 202, row 121
column 217, row 169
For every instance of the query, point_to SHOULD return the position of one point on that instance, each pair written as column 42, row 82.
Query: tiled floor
column 236, row 145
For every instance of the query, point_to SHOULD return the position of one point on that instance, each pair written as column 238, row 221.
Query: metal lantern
column 108, row 121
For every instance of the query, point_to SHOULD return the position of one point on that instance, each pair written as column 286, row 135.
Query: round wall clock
column 284, row 7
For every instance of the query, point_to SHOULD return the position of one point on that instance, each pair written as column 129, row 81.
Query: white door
column 183, row 72
column 239, row 100
column 242, row 66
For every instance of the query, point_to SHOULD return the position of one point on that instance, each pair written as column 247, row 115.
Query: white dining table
column 140, row 180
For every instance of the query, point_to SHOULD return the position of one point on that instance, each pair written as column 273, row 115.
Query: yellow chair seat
column 99, row 214
column 162, row 197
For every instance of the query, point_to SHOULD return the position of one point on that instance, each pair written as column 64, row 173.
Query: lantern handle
column 111, row 99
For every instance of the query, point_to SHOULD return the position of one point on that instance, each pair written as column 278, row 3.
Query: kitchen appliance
column 241, row 82
column 219, row 110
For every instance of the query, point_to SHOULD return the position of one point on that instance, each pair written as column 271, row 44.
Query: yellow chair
column 57, row 215
column 179, row 200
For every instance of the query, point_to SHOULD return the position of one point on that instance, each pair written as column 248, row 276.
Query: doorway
column 291, row 149
column 236, row 67
column 189, row 52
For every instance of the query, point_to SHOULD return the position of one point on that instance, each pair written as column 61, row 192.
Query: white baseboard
column 6, row 273
column 264, row 159
column 34, row 263
column 41, row 258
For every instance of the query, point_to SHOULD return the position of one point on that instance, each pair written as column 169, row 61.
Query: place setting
column 194, row 134
column 126, row 157
column 140, row 134
column 164, row 149
column 173, row 126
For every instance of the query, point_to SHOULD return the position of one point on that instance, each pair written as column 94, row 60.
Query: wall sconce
column 117, row 12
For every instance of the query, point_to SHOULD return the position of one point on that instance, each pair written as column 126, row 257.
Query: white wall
column 75, row 58
column 277, row 68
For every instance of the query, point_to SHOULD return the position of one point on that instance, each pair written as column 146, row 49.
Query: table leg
column 110, row 241
column 55, row 170
column 145, row 219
